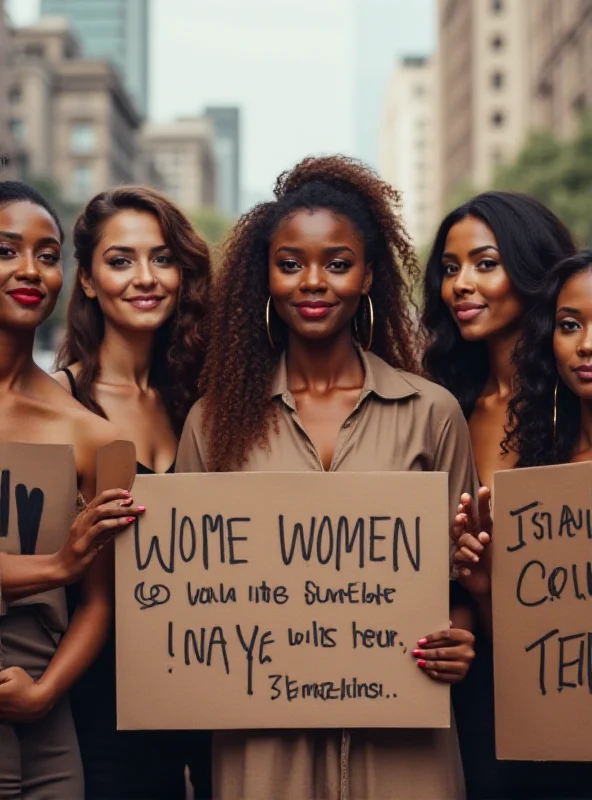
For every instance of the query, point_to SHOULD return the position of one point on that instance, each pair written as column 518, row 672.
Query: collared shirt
column 401, row 422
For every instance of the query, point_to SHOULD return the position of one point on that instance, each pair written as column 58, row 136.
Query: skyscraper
column 409, row 143
column 116, row 30
column 226, row 122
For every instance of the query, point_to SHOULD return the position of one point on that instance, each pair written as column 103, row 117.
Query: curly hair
column 530, row 432
column 240, row 364
column 181, row 342
column 531, row 239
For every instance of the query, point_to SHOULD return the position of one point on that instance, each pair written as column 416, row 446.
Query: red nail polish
column 131, row 519
column 421, row 663
column 141, row 508
column 421, row 642
column 417, row 653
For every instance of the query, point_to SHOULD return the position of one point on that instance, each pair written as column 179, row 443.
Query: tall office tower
column 483, row 53
column 116, row 30
column 409, row 143
column 226, row 122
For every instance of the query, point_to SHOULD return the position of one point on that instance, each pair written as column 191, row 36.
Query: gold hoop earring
column 368, row 344
column 268, row 323
column 555, row 410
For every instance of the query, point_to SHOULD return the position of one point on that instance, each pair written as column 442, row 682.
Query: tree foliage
column 556, row 172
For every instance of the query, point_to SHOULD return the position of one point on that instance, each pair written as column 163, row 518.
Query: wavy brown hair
column 240, row 363
column 181, row 342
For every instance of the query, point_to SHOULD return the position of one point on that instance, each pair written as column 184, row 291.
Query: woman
column 551, row 411
column 134, row 345
column 486, row 269
column 550, row 423
column 43, row 656
column 311, row 332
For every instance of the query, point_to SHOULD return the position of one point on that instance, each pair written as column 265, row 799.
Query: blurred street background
column 209, row 100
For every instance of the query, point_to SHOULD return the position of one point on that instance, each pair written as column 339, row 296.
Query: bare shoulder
column 61, row 377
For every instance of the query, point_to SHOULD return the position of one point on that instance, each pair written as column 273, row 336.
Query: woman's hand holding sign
column 447, row 655
column 106, row 515
column 94, row 527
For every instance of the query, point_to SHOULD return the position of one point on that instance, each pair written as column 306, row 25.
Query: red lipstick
column 314, row 309
column 27, row 296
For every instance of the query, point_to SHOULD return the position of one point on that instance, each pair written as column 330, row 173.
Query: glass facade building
column 116, row 30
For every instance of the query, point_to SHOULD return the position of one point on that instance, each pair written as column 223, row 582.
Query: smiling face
column 134, row 276
column 475, row 286
column 572, row 339
column 30, row 265
column 317, row 273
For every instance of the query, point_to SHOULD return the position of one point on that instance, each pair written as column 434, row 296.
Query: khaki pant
column 38, row 760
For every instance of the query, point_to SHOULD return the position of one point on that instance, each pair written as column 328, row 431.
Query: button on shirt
column 401, row 422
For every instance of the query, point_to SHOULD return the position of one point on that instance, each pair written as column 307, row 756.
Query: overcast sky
column 309, row 75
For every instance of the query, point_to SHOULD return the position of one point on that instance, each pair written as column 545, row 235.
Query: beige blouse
column 401, row 422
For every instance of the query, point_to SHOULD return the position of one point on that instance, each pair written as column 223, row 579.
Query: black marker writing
column 157, row 595
column 249, row 647
column 326, row 541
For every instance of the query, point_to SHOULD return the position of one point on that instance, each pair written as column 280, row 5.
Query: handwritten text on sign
column 542, row 595
column 282, row 600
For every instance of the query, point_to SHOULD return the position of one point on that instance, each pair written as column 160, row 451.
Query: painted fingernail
column 131, row 519
column 421, row 663
column 417, row 652
column 421, row 642
column 141, row 508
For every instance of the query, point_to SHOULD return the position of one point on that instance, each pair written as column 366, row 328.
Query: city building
column 71, row 115
column 226, row 126
column 116, row 30
column 560, row 81
column 409, row 144
column 484, row 102
column 182, row 153
column 8, row 150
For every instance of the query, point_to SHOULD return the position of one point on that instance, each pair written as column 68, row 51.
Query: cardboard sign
column 261, row 600
column 542, row 612
column 37, row 506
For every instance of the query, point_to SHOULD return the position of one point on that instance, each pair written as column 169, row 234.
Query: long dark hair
column 240, row 363
column 530, row 431
column 531, row 239
column 181, row 342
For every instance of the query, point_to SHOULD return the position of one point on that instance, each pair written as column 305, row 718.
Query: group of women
column 307, row 352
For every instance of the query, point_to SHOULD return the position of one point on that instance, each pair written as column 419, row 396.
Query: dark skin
column 473, row 274
column 132, row 261
column 572, row 345
column 318, row 275
column 478, row 291
column 33, row 408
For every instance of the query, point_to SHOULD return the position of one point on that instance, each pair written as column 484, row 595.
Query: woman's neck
column 16, row 358
column 126, row 357
column 500, row 379
column 322, row 364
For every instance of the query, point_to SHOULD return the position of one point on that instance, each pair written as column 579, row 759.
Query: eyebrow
column 474, row 252
column 327, row 250
column 16, row 237
column 569, row 310
column 122, row 249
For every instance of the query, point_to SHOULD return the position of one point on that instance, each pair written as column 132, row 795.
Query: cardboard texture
column 38, row 490
column 542, row 596
column 115, row 466
column 220, row 622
